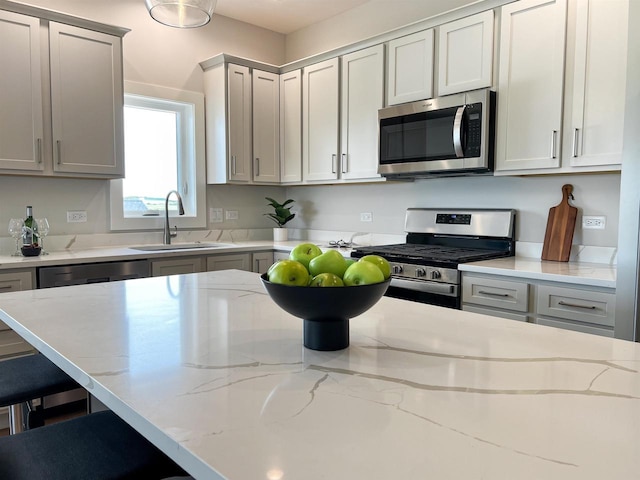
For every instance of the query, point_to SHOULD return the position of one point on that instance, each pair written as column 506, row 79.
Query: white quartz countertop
column 213, row 372
column 577, row 273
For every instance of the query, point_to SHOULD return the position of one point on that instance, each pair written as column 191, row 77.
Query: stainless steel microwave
column 452, row 135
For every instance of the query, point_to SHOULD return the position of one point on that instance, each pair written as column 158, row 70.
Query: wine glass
column 15, row 230
column 43, row 230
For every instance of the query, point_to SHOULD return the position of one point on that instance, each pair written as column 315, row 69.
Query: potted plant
column 282, row 214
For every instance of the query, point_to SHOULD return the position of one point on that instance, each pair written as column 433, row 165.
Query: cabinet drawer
column 495, row 313
column 573, row 304
column 12, row 344
column 577, row 327
column 492, row 292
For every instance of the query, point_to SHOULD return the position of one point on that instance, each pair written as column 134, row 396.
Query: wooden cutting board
column 560, row 226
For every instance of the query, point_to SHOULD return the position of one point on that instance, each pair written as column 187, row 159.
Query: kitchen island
column 209, row 369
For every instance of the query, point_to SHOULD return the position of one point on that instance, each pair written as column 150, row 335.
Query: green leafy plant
column 282, row 213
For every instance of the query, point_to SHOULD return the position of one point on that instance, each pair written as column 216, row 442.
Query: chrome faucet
column 167, row 233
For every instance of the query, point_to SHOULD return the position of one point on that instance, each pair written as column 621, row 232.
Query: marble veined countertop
column 215, row 374
column 577, row 273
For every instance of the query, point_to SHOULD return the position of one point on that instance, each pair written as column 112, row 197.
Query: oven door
column 424, row 291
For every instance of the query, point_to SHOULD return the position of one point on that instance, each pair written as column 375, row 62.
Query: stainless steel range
column 425, row 268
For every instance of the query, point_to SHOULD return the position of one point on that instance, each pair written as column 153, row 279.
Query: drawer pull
column 575, row 305
column 5, row 287
column 494, row 294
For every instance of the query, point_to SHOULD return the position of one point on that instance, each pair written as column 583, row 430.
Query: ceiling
column 284, row 16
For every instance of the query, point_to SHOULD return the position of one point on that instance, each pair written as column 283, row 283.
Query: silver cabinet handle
column 39, row 150
column 334, row 159
column 257, row 167
column 233, row 164
column 457, row 131
column 575, row 305
column 554, row 138
column 6, row 287
column 59, row 152
column 575, row 141
column 344, row 165
column 493, row 294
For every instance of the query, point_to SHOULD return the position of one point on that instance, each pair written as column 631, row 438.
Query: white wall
column 338, row 207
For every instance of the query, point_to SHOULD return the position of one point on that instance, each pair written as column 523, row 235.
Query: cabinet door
column 228, row 262
column 532, row 40
column 239, row 123
column 11, row 344
column 86, row 101
column 262, row 261
column 465, row 54
column 266, row 126
column 21, row 127
column 410, row 72
column 320, row 121
column 597, row 93
column 291, row 126
column 362, row 97
column 176, row 266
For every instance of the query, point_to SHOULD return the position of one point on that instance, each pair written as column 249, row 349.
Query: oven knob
column 435, row 274
column 420, row 272
column 397, row 269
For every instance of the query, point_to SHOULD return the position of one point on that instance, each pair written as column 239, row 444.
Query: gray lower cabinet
column 12, row 344
column 261, row 261
column 176, row 266
column 574, row 307
column 238, row 261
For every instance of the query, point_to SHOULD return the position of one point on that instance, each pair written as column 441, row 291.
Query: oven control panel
column 425, row 273
column 453, row 218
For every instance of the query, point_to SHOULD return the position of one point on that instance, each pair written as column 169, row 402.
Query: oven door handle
column 426, row 286
column 457, row 131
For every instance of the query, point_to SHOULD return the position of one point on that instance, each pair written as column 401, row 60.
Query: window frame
column 193, row 146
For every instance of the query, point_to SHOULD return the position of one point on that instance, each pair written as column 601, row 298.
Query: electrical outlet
column 215, row 215
column 78, row 216
column 231, row 214
column 366, row 217
column 595, row 222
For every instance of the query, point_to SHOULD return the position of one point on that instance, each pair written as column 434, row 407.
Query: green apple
column 330, row 261
column 289, row 272
column 362, row 273
column 272, row 267
column 379, row 262
column 326, row 280
column 304, row 252
column 350, row 261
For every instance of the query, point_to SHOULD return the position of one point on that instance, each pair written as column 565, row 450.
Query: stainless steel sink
column 178, row 246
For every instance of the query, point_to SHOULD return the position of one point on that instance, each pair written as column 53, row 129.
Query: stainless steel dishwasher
column 80, row 274
column 92, row 273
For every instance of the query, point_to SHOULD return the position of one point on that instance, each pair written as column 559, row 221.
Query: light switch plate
column 215, row 215
column 77, row 216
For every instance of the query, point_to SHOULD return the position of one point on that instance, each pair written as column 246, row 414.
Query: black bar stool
column 98, row 446
column 23, row 379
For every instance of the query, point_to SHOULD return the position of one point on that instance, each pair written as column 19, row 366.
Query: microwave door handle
column 457, row 131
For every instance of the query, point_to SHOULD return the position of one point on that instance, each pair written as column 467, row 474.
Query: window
column 164, row 151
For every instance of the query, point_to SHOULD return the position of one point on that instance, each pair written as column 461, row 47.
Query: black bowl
column 326, row 310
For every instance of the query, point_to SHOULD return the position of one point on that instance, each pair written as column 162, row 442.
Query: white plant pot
column 280, row 234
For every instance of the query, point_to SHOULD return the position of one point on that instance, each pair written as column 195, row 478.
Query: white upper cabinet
column 266, row 126
column 21, row 121
column 362, row 97
column 596, row 82
column 320, row 107
column 291, row 127
column 83, row 136
column 86, row 101
column 465, row 54
column 239, row 123
column 410, row 68
column 532, row 45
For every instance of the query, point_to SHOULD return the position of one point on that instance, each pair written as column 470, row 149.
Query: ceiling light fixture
column 181, row 13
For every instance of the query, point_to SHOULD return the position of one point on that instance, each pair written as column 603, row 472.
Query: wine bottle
column 30, row 236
